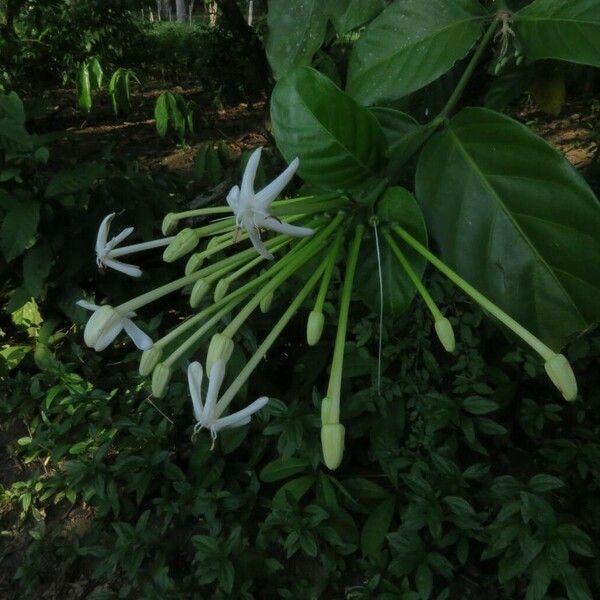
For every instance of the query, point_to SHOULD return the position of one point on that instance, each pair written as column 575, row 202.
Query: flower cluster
column 324, row 229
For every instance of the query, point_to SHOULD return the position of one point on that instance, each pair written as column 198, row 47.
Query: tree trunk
column 212, row 13
column 250, row 11
column 191, row 11
column 236, row 23
column 180, row 10
column 158, row 10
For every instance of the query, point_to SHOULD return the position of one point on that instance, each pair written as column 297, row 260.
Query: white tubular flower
column 106, row 323
column 105, row 248
column 205, row 413
column 252, row 210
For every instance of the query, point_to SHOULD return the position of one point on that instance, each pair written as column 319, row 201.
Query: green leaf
column 477, row 405
column 424, row 581
column 339, row 143
column 396, row 206
column 576, row 586
column 347, row 15
column 296, row 487
column 36, row 267
column 161, row 113
column 74, row 180
column 376, row 527
column 410, row 44
column 544, row 483
column 296, row 31
column 562, row 29
column 14, row 137
column 459, row 506
column 394, row 124
column 84, row 94
column 516, row 220
column 515, row 564
column 282, row 468
column 508, row 87
column 96, row 74
column 364, row 489
column 13, row 355
column 576, row 540
column 11, row 107
column 18, row 228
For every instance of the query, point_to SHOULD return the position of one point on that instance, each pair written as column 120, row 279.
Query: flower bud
column 560, row 372
column 446, row 334
column 149, row 360
column 265, row 302
column 325, row 411
column 194, row 263
column 220, row 347
column 214, row 241
column 169, row 223
column 160, row 380
column 199, row 290
column 221, row 289
column 185, row 241
column 332, row 440
column 99, row 326
column 314, row 327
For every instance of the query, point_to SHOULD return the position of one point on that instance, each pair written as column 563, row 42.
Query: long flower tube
column 443, row 327
column 557, row 366
column 332, row 431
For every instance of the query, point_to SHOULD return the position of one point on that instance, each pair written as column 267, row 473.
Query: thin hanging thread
column 374, row 223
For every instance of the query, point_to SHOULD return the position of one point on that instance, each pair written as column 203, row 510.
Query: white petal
column 254, row 236
column 247, row 190
column 230, row 421
column 138, row 337
column 87, row 305
column 233, row 198
column 117, row 265
column 243, row 416
column 280, row 227
column 120, row 237
column 108, row 336
column 102, row 236
column 195, row 382
column 215, row 380
column 263, row 199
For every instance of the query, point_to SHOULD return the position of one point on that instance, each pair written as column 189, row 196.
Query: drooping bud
column 185, row 241
column 100, row 325
column 221, row 289
column 314, row 327
column 446, row 334
column 332, row 440
column 169, row 223
column 214, row 241
column 265, row 302
column 194, row 263
column 200, row 289
column 325, row 411
column 560, row 372
column 149, row 360
column 220, row 347
column 160, row 380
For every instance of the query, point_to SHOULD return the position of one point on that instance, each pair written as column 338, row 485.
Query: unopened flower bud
column 221, row 289
column 194, row 263
column 332, row 440
column 185, row 241
column 220, row 347
column 560, row 372
column 169, row 223
column 160, row 380
column 149, row 360
column 199, row 290
column 265, row 302
column 99, row 325
column 314, row 327
column 446, row 334
column 214, row 241
column 325, row 411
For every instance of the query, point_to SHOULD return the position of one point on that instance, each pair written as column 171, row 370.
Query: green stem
column 243, row 375
column 460, row 88
column 294, row 208
column 337, row 364
column 541, row 348
column 435, row 311
column 331, row 260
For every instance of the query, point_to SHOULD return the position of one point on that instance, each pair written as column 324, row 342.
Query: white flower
column 105, row 249
column 252, row 210
column 105, row 325
column 205, row 414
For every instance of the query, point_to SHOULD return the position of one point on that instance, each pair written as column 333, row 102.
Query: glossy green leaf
column 84, row 94
column 514, row 218
column 563, row 29
column 376, row 527
column 282, row 468
column 161, row 113
column 296, row 488
column 347, row 15
column 96, row 74
column 339, row 143
column 295, row 32
column 395, row 124
column 396, row 206
column 18, row 227
column 74, row 180
column 410, row 44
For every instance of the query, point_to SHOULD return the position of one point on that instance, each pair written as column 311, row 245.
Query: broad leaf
column 339, row 143
column 36, row 267
column 376, row 527
column 409, row 45
column 161, row 113
column 96, row 74
column 18, row 228
column 347, row 15
column 563, row 29
column 394, row 123
column 11, row 107
column 515, row 219
column 75, row 179
column 84, row 94
column 282, row 468
column 396, row 206
column 296, row 32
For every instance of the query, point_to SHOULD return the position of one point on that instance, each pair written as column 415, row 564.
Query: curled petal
column 285, row 228
column 254, row 235
column 195, row 374
column 119, row 238
column 233, row 198
column 264, row 198
column 102, row 236
column 247, row 190
column 230, row 421
column 241, row 417
column 117, row 265
column 87, row 305
column 138, row 337
column 217, row 374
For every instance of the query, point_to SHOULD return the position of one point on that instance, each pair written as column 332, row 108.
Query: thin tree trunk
column 212, row 14
column 191, row 11
column 180, row 11
column 250, row 12
column 158, row 10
